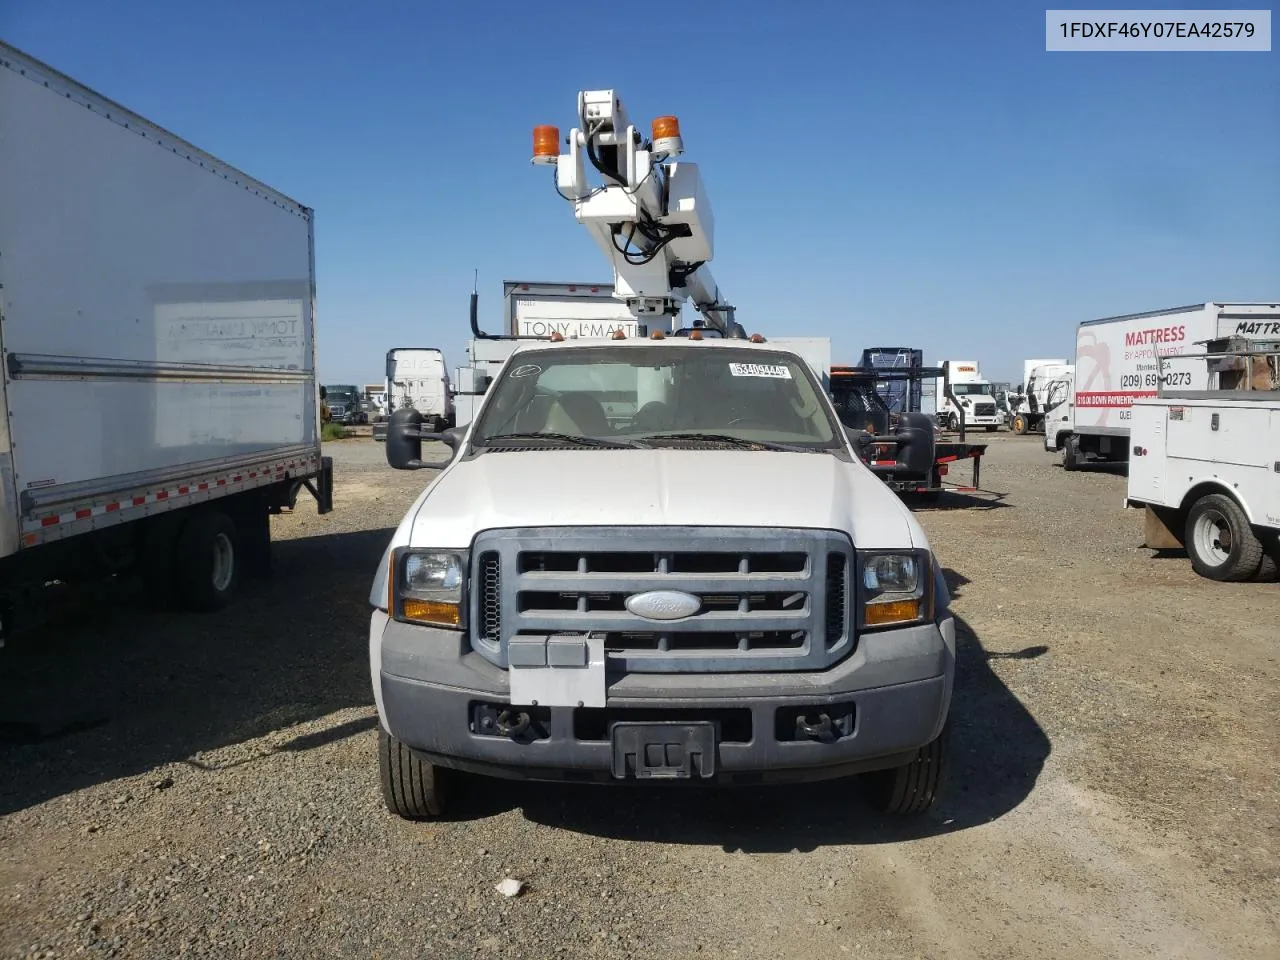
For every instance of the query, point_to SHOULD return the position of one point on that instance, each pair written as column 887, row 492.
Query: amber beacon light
column 546, row 144
column 666, row 137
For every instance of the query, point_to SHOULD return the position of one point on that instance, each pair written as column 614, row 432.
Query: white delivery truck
column 158, row 396
column 418, row 377
column 1120, row 359
column 973, row 393
column 1040, row 378
column 1206, row 463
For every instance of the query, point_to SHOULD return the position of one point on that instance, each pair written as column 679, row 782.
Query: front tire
column 1020, row 425
column 914, row 787
column 413, row 788
column 1072, row 458
column 1220, row 542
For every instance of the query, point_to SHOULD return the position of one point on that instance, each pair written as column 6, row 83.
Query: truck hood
column 661, row 487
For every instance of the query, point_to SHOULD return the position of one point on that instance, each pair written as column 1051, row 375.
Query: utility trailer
column 902, row 447
column 1205, row 464
column 158, row 398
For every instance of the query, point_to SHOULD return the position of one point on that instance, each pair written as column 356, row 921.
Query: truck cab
column 656, row 559
column 346, row 404
column 976, row 399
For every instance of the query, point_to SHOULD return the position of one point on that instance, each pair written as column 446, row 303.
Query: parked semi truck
column 1120, row 359
column 971, row 399
column 708, row 584
column 418, row 378
column 158, row 398
column 1206, row 463
column 346, row 404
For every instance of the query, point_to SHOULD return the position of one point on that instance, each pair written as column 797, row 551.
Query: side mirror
column 404, row 439
column 324, row 394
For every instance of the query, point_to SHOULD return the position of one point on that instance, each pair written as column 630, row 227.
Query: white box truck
column 973, row 393
column 157, row 396
column 418, row 377
column 1119, row 359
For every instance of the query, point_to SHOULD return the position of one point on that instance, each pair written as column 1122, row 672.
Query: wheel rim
column 223, row 562
column 1213, row 538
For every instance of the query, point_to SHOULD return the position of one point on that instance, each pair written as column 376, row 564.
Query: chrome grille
column 769, row 600
column 984, row 409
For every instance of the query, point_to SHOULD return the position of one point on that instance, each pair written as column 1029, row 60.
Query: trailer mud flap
column 322, row 487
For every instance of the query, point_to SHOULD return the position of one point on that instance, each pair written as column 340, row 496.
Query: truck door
column 1148, row 464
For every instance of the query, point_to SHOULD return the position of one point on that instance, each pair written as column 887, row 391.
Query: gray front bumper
column 898, row 682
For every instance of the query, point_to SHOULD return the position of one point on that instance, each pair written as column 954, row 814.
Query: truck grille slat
column 768, row 601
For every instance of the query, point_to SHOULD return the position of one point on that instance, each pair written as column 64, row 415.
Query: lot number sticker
column 776, row 371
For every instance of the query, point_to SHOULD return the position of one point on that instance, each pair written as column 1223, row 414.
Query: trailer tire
column 1209, row 518
column 413, row 788
column 914, row 787
column 206, row 561
column 1020, row 425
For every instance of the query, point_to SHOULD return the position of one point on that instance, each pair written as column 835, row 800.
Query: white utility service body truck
column 708, row 582
column 1206, row 463
column 1120, row 359
column 1045, row 384
column 418, row 377
column 974, row 394
column 158, row 395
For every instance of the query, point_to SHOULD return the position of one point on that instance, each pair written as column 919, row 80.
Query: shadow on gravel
column 109, row 688
column 954, row 500
column 1114, row 469
column 997, row 752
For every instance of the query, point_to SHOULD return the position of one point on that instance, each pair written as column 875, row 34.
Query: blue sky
column 907, row 174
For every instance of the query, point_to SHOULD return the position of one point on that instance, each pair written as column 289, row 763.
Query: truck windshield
column 971, row 389
column 637, row 395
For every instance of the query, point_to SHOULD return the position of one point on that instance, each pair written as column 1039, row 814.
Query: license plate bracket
column 663, row 751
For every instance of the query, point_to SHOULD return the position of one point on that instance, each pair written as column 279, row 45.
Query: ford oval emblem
column 663, row 605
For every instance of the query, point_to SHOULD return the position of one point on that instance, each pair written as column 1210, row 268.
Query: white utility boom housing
column 650, row 217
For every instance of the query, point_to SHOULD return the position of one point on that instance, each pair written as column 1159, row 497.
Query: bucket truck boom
column 651, row 217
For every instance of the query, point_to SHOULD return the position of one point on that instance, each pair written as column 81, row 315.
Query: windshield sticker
column 774, row 370
column 527, row 370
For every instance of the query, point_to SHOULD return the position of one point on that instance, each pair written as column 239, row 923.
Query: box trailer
column 1120, row 359
column 157, row 397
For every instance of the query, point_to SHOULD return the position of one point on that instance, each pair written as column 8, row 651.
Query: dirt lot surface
column 207, row 786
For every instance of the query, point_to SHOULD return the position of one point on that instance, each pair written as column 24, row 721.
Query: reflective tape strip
column 78, row 513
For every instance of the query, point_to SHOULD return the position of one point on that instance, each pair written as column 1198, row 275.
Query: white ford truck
column 657, row 558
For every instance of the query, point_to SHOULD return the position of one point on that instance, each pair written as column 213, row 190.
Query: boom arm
column 650, row 217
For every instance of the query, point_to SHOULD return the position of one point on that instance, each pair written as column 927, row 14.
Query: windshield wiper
column 735, row 441
column 562, row 438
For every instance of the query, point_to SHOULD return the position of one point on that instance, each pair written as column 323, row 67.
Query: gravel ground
column 207, row 786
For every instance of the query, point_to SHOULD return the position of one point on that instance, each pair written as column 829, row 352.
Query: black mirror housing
column 404, row 439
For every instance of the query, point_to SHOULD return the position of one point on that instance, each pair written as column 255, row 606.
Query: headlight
column 896, row 589
column 426, row 586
